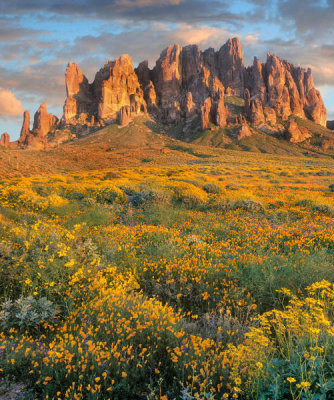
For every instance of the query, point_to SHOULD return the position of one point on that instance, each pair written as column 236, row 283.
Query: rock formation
column 295, row 133
column 79, row 94
column 188, row 85
column 278, row 89
column 4, row 140
column 243, row 131
column 230, row 67
column 43, row 124
column 124, row 116
column 43, row 121
column 145, row 79
column 116, row 85
column 25, row 130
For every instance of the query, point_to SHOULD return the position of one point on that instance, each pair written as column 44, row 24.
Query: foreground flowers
column 150, row 286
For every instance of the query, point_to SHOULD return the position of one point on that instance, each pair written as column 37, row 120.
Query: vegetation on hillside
column 207, row 281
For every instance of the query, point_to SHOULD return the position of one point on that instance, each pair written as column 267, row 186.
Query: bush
column 110, row 194
column 212, row 187
column 331, row 187
column 276, row 204
column 150, row 197
column 323, row 209
column 26, row 313
column 89, row 202
column 249, row 206
column 304, row 203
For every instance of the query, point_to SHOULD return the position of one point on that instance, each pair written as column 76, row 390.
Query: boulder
column 295, row 133
column 243, row 131
column 190, row 106
column 270, row 115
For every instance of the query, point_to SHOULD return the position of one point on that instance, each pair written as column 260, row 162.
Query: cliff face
column 79, row 94
column 280, row 89
column 187, row 83
column 188, row 86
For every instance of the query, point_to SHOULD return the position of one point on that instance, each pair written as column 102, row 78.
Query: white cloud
column 9, row 104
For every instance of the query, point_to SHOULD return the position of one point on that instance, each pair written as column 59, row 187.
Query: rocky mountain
column 187, row 86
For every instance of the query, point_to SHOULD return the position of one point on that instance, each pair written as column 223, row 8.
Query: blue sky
column 38, row 39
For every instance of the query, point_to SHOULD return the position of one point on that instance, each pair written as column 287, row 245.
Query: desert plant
column 27, row 313
column 212, row 187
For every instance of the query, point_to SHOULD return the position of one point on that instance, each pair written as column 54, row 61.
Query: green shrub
column 304, row 203
column 150, row 197
column 276, row 204
column 26, row 313
column 212, row 187
column 249, row 206
column 323, row 209
column 110, row 194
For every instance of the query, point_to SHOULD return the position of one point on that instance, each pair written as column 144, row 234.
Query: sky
column 39, row 37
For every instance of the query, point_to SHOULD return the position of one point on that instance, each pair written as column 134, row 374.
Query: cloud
column 9, row 104
column 134, row 10
column 145, row 3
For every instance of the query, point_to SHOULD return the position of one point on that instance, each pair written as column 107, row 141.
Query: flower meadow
column 210, row 281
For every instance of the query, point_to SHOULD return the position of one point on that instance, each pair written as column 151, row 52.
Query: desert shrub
column 75, row 195
column 56, row 201
column 189, row 195
column 290, row 353
column 212, row 187
column 226, row 205
column 151, row 197
column 304, row 203
column 323, row 209
column 110, row 176
column 89, row 201
column 277, row 204
column 128, row 190
column 42, row 190
column 109, row 195
column 26, row 313
column 249, row 206
column 331, row 187
column 191, row 181
column 233, row 186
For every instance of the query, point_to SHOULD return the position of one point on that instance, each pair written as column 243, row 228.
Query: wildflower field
column 203, row 281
